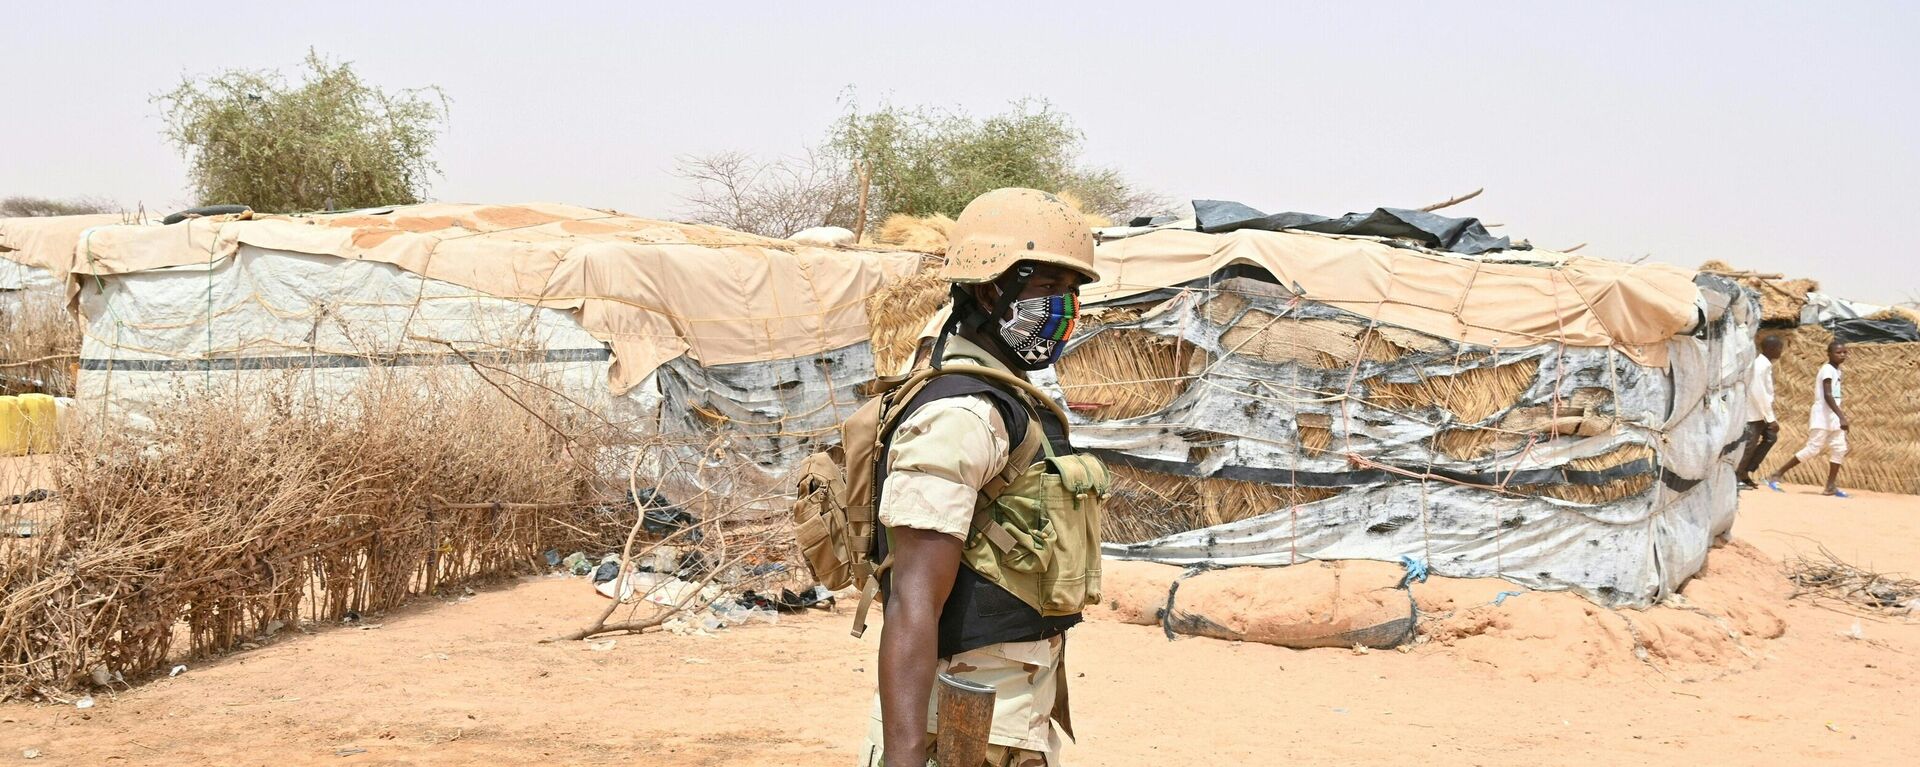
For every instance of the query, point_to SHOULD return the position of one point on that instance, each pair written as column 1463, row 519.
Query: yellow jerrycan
column 42, row 417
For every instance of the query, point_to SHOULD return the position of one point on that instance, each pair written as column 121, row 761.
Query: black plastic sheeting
column 1459, row 235
column 1860, row 330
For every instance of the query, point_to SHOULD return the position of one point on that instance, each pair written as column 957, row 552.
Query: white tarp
column 1630, row 551
column 319, row 325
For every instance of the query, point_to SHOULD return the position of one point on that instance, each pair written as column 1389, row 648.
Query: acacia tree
column 922, row 161
column 329, row 141
column 919, row 161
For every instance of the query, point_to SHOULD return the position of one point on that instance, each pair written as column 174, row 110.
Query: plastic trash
column 577, row 563
column 177, row 670
column 672, row 592
column 553, row 558
column 637, row 583
column 607, row 571
column 86, row 702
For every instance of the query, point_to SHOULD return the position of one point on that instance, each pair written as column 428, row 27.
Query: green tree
column 330, row 141
column 921, row 161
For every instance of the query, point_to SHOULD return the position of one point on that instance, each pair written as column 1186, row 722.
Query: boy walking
column 1762, row 429
column 1827, row 426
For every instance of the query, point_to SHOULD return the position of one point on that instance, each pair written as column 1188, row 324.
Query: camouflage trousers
column 1026, row 680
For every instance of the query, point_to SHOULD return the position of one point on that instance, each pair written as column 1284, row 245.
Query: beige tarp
column 652, row 290
column 1635, row 308
column 47, row 242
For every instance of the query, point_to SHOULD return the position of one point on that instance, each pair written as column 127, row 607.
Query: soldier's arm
column 941, row 457
column 925, row 565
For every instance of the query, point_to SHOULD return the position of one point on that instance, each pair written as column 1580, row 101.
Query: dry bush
column 238, row 512
column 40, row 344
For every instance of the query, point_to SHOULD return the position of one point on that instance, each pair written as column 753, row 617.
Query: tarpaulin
column 1583, row 302
column 1459, row 235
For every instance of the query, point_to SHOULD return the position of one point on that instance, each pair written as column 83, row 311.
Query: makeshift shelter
column 667, row 328
column 34, row 258
column 1270, row 397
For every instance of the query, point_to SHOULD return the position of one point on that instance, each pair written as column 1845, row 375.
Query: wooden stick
column 1452, row 201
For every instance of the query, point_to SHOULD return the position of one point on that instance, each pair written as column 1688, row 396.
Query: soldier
column 953, row 601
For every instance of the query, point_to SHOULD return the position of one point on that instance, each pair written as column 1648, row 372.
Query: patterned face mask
column 1039, row 330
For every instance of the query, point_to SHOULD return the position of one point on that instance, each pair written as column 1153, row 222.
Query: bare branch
column 1452, row 201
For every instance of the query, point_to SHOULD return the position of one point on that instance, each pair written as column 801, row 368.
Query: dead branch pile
column 1826, row 578
column 1780, row 298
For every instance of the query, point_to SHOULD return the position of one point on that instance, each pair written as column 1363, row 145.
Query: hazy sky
column 1776, row 136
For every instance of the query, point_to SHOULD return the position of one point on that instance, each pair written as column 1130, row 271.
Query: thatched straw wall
column 1882, row 383
column 899, row 311
column 1146, row 505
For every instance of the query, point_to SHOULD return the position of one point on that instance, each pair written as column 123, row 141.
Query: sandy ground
column 466, row 682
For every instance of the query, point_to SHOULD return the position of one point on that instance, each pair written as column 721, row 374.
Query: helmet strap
column 969, row 314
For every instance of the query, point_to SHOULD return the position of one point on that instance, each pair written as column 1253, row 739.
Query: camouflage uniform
column 942, row 454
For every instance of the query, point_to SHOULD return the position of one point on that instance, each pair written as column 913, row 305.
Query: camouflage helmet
column 1006, row 226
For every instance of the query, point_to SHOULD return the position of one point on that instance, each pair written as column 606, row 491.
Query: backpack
column 835, row 510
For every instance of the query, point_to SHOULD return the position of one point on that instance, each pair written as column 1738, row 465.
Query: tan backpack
column 834, row 510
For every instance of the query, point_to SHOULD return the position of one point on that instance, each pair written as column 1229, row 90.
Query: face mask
column 1039, row 330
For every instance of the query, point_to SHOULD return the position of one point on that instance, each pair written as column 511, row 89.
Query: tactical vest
column 1032, row 557
column 1031, row 560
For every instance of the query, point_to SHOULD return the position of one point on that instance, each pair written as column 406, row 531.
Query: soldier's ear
column 986, row 294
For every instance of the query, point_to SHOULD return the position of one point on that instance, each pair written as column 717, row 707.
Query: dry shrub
column 1147, row 505
column 1470, row 395
column 237, row 512
column 1879, row 381
column 39, row 346
column 1128, row 372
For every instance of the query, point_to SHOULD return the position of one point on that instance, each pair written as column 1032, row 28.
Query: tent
column 34, row 257
column 1274, row 397
column 663, row 327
